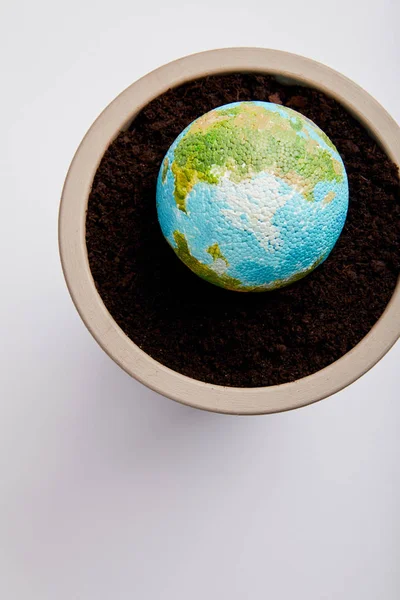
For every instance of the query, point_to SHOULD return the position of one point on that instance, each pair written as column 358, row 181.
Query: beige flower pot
column 111, row 338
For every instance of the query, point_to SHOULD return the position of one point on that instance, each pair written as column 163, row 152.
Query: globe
column 252, row 196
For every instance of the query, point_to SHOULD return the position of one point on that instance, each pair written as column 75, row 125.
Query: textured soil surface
column 233, row 338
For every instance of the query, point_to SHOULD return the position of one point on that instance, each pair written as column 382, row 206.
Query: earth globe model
column 252, row 196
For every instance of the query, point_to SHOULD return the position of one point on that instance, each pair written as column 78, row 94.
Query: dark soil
column 233, row 338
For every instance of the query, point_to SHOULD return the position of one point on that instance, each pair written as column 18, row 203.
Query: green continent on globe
column 245, row 140
column 222, row 280
column 216, row 253
column 164, row 169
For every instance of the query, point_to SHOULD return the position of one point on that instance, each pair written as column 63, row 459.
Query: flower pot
column 118, row 116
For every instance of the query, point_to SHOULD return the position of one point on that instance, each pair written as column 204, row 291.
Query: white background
column 107, row 490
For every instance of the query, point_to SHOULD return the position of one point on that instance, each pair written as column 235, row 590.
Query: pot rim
column 116, row 117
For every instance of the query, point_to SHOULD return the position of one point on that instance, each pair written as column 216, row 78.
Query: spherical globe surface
column 252, row 196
